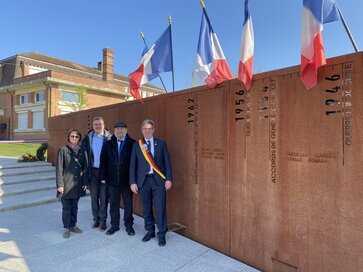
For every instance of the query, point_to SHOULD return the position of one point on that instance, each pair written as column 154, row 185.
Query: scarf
column 75, row 148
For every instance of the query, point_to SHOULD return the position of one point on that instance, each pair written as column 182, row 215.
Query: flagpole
column 143, row 38
column 171, row 49
column 202, row 4
column 347, row 29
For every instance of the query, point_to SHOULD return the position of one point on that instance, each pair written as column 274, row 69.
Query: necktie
column 120, row 149
column 149, row 148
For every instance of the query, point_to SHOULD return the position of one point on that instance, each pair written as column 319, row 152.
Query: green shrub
column 41, row 151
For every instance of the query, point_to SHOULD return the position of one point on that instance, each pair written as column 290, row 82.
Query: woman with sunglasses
column 71, row 180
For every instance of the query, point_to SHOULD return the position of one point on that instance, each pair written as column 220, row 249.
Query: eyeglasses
column 74, row 136
column 148, row 129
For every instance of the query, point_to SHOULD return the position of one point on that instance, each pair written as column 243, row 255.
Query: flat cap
column 120, row 124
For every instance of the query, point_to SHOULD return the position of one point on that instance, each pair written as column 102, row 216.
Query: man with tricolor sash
column 151, row 175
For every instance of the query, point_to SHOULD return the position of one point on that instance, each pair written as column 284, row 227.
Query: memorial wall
column 272, row 176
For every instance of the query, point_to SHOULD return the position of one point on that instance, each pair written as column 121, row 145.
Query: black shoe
column 112, row 230
column 148, row 236
column 103, row 226
column 162, row 241
column 95, row 224
column 130, row 230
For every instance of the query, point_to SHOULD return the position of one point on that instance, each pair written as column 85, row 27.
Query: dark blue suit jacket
column 139, row 166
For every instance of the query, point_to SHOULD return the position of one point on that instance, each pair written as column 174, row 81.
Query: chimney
column 107, row 64
column 99, row 66
column 24, row 68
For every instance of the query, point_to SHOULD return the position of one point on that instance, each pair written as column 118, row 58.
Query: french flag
column 246, row 52
column 154, row 61
column 315, row 14
column 211, row 65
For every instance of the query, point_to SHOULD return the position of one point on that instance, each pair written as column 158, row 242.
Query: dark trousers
column 69, row 212
column 115, row 193
column 98, row 197
column 152, row 192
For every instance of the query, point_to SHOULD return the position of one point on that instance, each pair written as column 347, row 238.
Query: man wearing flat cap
column 114, row 171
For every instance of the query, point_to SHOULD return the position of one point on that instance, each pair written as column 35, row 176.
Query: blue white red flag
column 211, row 65
column 315, row 14
column 246, row 52
column 154, row 61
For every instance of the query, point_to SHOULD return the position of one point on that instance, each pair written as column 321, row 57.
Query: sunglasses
column 74, row 136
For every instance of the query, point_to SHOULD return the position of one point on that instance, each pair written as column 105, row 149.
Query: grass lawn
column 16, row 150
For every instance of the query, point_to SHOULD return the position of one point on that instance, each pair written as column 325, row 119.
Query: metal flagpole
column 347, row 29
column 171, row 49
column 143, row 38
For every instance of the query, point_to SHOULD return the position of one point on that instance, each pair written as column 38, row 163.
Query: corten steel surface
column 270, row 176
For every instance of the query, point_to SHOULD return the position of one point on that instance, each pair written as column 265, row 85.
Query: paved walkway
column 31, row 240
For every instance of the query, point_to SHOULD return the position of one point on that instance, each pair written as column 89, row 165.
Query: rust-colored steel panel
column 206, row 189
column 269, row 176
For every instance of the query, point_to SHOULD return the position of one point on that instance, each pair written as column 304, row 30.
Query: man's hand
column 60, row 190
column 103, row 181
column 134, row 188
column 167, row 185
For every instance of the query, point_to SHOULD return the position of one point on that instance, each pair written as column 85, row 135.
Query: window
column 39, row 97
column 22, row 120
column 38, row 119
column 69, row 96
column 23, row 99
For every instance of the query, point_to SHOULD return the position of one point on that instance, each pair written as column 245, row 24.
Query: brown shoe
column 95, row 224
column 103, row 226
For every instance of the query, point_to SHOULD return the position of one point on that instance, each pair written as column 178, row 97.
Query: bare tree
column 81, row 99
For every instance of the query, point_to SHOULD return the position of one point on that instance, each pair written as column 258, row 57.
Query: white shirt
column 152, row 149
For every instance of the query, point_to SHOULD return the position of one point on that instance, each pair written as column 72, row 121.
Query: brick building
column 34, row 87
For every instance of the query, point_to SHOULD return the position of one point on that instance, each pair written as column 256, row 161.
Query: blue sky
column 78, row 30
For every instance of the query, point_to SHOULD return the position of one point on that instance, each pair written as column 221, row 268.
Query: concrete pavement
column 31, row 240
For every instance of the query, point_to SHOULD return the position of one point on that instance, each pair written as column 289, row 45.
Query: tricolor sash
column 149, row 158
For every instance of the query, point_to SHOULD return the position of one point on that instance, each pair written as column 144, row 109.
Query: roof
column 75, row 66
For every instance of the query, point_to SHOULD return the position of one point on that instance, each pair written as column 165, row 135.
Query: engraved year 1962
column 192, row 105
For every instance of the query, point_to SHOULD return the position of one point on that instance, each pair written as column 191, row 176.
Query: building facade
column 34, row 87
